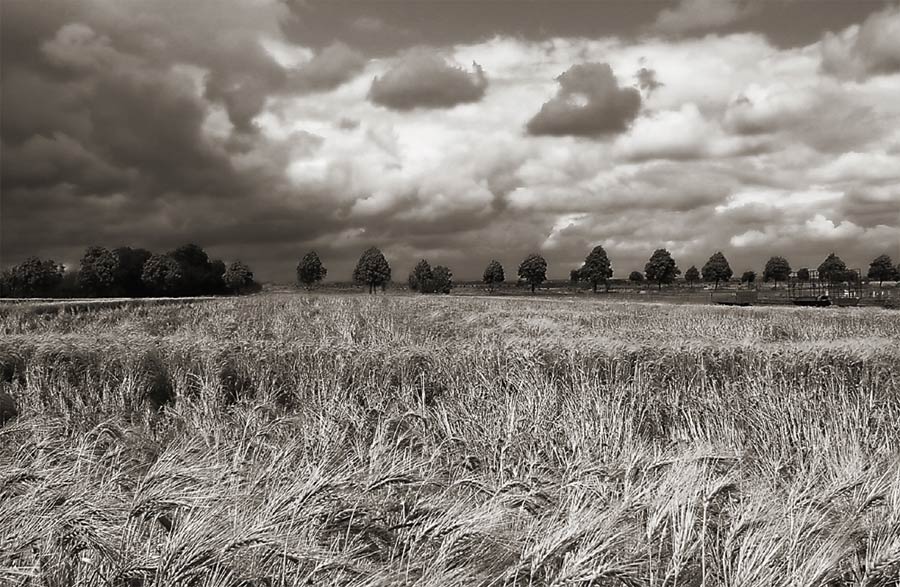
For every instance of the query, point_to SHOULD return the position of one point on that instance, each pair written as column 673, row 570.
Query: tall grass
column 439, row 441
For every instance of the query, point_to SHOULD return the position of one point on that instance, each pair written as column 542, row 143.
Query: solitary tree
column 596, row 268
column 803, row 274
column 832, row 269
column 128, row 275
column 661, row 268
column 162, row 275
column 238, row 278
column 748, row 277
column 98, row 271
column 882, row 269
column 421, row 278
column 493, row 274
column 636, row 277
column 717, row 269
column 310, row 270
column 533, row 270
column 692, row 276
column 778, row 269
column 372, row 270
column 442, row 280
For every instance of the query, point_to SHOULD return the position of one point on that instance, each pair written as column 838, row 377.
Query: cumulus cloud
column 864, row 50
column 328, row 69
column 589, row 103
column 682, row 134
column 424, row 80
column 699, row 15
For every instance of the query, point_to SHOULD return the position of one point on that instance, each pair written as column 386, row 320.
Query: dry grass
column 451, row 442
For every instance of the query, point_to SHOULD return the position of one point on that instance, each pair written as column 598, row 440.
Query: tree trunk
column 595, row 286
column 659, row 285
column 532, row 288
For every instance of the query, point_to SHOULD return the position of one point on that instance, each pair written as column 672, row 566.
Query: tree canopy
column 596, row 268
column 421, row 278
column 310, row 270
column 777, row 269
column 238, row 278
column 882, row 269
column 493, row 274
column 716, row 269
column 162, row 275
column 748, row 277
column 636, row 277
column 692, row 275
column 99, row 269
column 533, row 270
column 661, row 268
column 372, row 270
column 442, row 280
column 833, row 269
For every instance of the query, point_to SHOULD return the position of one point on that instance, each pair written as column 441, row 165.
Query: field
column 448, row 441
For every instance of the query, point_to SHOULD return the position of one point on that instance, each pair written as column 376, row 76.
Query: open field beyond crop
column 447, row 441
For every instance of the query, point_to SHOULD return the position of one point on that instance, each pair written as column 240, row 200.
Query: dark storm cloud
column 103, row 131
column 423, row 80
column 589, row 103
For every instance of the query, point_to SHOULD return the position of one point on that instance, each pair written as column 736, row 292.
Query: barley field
column 441, row 441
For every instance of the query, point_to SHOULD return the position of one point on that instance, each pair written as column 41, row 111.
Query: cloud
column 647, row 81
column 865, row 50
column 682, row 134
column 328, row 69
column 589, row 103
column 424, row 80
column 699, row 15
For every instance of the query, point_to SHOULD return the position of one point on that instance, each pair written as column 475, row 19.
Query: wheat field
column 442, row 441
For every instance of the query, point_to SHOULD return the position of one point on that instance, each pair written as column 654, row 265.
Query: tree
column 421, row 278
column 748, row 277
column 442, row 281
column 692, row 276
column 162, row 275
column 200, row 276
column 533, row 270
column 716, row 269
column 661, row 268
column 574, row 276
column 493, row 274
column 372, row 270
column 803, row 275
column 596, row 268
column 832, row 269
column 128, row 274
column 636, row 277
column 778, row 269
column 99, row 267
column 238, row 278
column 882, row 269
column 32, row 278
column 310, row 270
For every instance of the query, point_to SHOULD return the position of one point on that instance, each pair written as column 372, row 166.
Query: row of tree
column 188, row 271
column 373, row 271
column 129, row 272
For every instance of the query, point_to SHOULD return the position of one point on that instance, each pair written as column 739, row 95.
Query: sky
column 455, row 131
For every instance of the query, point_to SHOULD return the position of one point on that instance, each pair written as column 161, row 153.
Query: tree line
column 189, row 271
column 374, row 271
column 129, row 272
